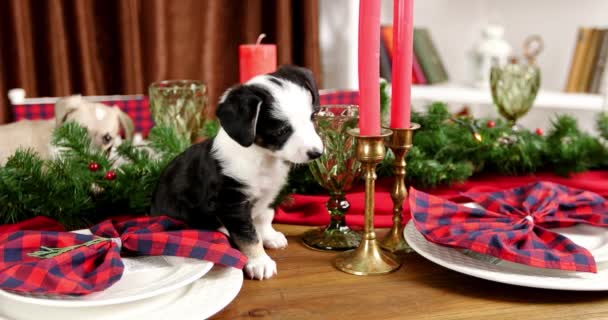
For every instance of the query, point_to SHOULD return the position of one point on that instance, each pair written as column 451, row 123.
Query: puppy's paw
column 261, row 267
column 275, row 240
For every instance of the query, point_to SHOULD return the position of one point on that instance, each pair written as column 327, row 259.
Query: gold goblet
column 368, row 258
column 335, row 170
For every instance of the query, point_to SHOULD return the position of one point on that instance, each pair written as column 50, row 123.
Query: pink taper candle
column 402, row 63
column 369, row 67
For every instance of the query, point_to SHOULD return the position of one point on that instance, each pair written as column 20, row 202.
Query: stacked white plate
column 594, row 239
column 159, row 287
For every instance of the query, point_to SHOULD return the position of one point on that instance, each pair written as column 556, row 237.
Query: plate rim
column 217, row 307
column 205, row 266
column 173, row 304
column 488, row 274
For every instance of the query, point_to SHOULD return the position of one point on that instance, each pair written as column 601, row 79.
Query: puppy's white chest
column 269, row 179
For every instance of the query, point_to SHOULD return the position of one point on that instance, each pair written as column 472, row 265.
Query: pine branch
column 210, row 128
column 165, row 141
column 601, row 124
column 571, row 150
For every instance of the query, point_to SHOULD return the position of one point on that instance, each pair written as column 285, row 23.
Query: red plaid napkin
column 514, row 224
column 94, row 263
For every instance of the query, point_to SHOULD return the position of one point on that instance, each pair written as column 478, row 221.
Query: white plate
column 143, row 277
column 519, row 274
column 199, row 300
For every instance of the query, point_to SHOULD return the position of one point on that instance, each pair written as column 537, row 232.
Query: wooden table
column 309, row 287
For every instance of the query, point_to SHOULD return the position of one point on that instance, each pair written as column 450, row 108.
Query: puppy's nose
column 314, row 154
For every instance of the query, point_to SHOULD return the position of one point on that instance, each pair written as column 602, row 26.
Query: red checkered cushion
column 340, row 97
column 134, row 106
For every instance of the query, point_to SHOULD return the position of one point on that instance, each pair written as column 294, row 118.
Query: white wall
column 455, row 27
column 339, row 20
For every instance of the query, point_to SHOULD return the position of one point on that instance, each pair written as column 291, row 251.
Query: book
column 386, row 36
column 599, row 65
column 428, row 57
column 385, row 62
column 588, row 64
column 583, row 40
column 417, row 72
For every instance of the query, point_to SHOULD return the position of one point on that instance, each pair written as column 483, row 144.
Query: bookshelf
column 548, row 99
column 455, row 28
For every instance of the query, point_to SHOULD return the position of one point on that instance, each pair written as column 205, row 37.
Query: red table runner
column 310, row 209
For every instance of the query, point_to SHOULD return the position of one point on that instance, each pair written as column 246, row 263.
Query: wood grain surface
column 309, row 287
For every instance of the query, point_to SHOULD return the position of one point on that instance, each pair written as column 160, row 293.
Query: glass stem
column 337, row 207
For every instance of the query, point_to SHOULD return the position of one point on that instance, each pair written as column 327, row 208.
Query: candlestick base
column 400, row 143
column 368, row 258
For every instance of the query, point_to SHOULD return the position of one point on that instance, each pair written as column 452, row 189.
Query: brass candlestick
column 400, row 143
column 368, row 258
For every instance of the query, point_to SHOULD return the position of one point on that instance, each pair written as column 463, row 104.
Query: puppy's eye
column 282, row 131
column 107, row 138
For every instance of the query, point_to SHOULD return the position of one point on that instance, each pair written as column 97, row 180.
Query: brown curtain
column 96, row 47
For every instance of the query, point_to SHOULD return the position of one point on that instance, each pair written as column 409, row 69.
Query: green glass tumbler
column 336, row 171
column 181, row 104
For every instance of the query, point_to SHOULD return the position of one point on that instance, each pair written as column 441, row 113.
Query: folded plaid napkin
column 51, row 262
column 514, row 224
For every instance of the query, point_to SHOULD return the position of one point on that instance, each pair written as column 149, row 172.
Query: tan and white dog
column 103, row 125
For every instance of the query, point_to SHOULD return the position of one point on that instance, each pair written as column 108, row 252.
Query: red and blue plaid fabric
column 95, row 267
column 514, row 224
column 136, row 107
column 339, row 97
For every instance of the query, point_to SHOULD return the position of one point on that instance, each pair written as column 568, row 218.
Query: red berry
column 490, row 124
column 93, row 166
column 110, row 175
column 539, row 132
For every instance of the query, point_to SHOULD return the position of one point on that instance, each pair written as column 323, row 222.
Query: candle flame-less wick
column 260, row 37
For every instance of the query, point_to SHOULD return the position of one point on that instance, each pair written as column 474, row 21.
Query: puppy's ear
column 125, row 122
column 65, row 106
column 301, row 76
column 238, row 112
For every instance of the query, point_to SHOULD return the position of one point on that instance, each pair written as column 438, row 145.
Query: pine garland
column 69, row 191
column 446, row 150
column 602, row 125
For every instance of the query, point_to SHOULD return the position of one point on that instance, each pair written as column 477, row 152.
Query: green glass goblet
column 180, row 104
column 336, row 171
column 514, row 88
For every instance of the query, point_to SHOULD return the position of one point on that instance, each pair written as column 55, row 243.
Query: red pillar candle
column 256, row 59
column 369, row 67
column 402, row 63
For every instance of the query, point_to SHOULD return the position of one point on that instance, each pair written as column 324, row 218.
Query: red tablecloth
column 310, row 209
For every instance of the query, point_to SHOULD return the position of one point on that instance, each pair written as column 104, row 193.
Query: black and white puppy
column 232, row 179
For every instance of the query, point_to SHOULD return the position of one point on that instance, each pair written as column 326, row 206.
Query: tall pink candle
column 369, row 67
column 402, row 63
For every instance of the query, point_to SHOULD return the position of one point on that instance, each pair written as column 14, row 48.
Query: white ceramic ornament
column 493, row 49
